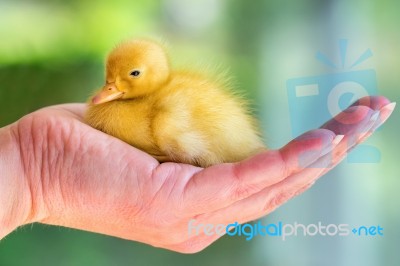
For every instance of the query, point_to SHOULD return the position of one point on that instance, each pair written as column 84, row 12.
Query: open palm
column 81, row 178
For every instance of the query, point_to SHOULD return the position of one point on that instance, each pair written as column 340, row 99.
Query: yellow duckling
column 176, row 116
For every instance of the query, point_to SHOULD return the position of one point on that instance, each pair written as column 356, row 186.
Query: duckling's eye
column 135, row 73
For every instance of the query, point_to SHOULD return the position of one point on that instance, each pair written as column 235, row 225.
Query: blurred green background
column 52, row 52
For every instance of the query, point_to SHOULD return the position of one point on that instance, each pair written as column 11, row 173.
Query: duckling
column 173, row 115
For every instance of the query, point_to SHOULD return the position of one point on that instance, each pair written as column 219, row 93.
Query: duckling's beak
column 108, row 93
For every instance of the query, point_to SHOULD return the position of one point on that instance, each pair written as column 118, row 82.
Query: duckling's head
column 134, row 69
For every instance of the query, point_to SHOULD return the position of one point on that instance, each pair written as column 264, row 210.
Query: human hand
column 60, row 171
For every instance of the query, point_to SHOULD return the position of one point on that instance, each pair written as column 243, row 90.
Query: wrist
column 16, row 199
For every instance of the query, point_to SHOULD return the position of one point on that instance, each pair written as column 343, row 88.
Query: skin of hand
column 57, row 170
column 173, row 115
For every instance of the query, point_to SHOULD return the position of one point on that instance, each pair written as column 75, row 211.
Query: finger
column 236, row 184
column 373, row 102
column 329, row 161
column 270, row 198
column 267, row 200
column 350, row 122
column 219, row 186
column 341, row 125
column 384, row 113
column 375, row 121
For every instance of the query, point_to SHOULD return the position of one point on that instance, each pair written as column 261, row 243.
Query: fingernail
column 375, row 116
column 337, row 139
column 390, row 106
column 371, row 122
column 374, row 126
column 366, row 129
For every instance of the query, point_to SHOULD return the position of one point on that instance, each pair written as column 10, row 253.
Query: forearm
column 15, row 196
